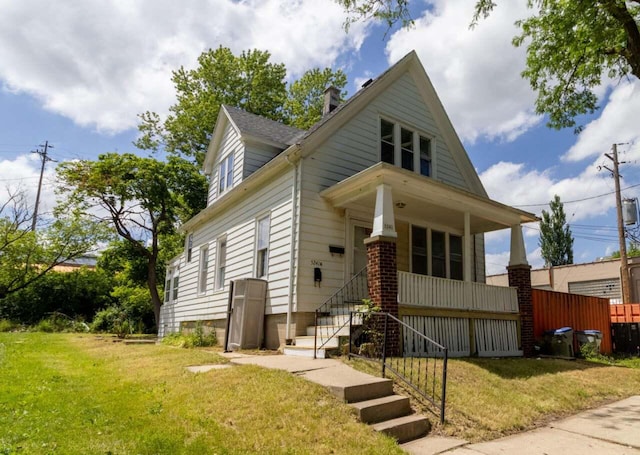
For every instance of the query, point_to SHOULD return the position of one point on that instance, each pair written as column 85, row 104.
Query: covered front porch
column 424, row 253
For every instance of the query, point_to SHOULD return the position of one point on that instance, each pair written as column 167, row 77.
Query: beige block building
column 599, row 279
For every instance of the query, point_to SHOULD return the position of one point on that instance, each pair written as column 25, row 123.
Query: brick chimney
column 331, row 100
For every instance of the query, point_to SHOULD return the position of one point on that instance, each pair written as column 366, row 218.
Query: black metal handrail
column 416, row 361
column 344, row 300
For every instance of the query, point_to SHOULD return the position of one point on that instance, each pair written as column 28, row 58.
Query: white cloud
column 475, row 72
column 618, row 123
column 21, row 174
column 101, row 63
column 513, row 184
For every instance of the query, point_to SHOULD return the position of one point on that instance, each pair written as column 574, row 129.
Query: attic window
column 225, row 174
column 413, row 151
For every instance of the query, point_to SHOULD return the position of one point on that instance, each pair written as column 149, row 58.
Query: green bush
column 59, row 322
column 195, row 339
column 78, row 294
column 113, row 320
column 7, row 325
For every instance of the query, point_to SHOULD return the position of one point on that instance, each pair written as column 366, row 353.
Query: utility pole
column 624, row 263
column 44, row 158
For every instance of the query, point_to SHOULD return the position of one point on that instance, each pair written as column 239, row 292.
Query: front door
column 359, row 251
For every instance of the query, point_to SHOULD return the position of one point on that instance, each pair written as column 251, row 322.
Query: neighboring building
column 294, row 207
column 88, row 262
column 598, row 279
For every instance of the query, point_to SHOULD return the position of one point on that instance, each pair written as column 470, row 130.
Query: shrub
column 113, row 319
column 59, row 322
column 79, row 294
column 192, row 340
column 7, row 325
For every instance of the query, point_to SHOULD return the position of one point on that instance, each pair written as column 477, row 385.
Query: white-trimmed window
column 189, row 247
column 171, row 285
column 225, row 174
column 204, row 269
column 412, row 152
column 221, row 262
column 436, row 253
column 262, row 246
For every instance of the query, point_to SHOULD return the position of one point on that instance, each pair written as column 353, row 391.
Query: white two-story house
column 294, row 207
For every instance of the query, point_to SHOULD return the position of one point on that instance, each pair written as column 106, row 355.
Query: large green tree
column 305, row 97
column 26, row 255
column 556, row 240
column 249, row 81
column 141, row 198
column 572, row 46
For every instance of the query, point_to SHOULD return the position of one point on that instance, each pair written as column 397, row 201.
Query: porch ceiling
column 421, row 198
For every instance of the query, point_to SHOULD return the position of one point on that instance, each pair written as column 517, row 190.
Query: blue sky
column 77, row 75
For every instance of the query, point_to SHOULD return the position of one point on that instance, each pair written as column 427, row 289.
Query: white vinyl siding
column 237, row 228
column 256, row 156
column 351, row 149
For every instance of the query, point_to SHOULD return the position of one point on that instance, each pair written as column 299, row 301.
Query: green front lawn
column 77, row 394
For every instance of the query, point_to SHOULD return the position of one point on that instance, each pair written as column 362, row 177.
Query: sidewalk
column 612, row 429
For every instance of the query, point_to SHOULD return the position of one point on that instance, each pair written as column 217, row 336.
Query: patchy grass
column 77, row 394
column 489, row 398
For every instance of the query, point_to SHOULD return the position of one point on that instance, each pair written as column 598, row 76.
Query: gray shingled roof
column 263, row 128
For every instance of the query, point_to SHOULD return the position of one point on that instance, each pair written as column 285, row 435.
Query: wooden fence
column 552, row 310
column 629, row 312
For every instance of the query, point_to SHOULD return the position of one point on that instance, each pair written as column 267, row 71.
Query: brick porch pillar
column 519, row 273
column 382, row 277
column 382, row 271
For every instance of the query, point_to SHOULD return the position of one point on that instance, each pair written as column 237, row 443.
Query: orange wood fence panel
column 629, row 312
column 552, row 310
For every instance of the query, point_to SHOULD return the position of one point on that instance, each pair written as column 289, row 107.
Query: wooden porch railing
column 434, row 292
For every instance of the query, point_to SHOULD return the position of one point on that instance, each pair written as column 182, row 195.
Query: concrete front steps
column 376, row 404
column 333, row 328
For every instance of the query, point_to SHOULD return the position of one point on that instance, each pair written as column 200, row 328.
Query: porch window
column 225, row 174
column 438, row 254
column 425, row 156
column 419, row 250
column 455, row 257
column 221, row 262
column 204, row 269
column 262, row 254
column 387, row 142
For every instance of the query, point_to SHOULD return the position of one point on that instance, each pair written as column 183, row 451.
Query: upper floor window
column 189, row 247
column 411, row 152
column 387, row 142
column 225, row 174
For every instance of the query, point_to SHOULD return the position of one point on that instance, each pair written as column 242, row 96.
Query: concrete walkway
column 612, row 429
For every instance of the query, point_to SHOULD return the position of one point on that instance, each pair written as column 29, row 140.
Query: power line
column 579, row 200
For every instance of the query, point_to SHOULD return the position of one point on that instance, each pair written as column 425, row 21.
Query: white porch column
column 384, row 224
column 518, row 251
column 466, row 245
